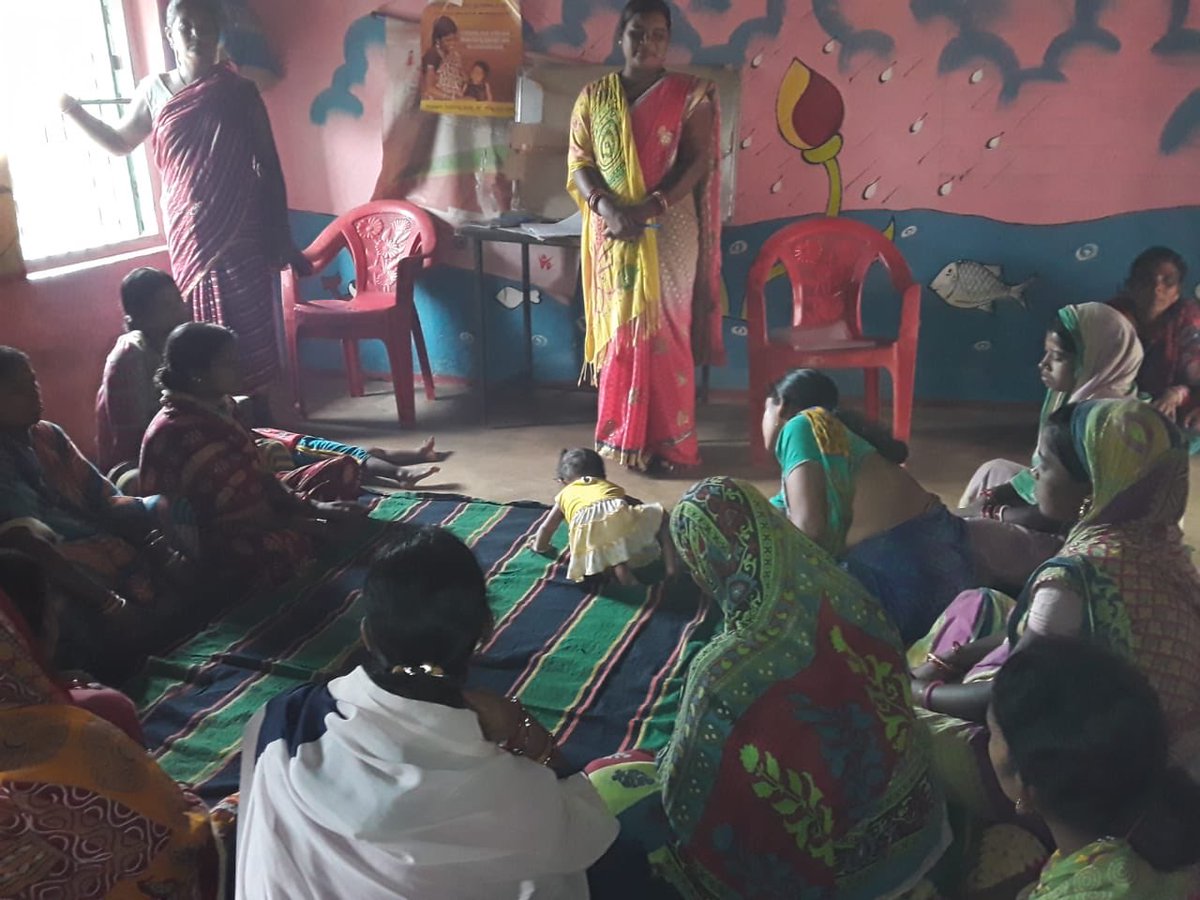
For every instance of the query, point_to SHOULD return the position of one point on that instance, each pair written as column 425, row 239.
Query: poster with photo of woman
column 471, row 52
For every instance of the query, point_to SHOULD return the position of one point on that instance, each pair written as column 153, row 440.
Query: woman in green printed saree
column 795, row 768
column 1123, row 580
column 1078, row 738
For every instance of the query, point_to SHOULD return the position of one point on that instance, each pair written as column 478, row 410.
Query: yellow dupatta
column 620, row 278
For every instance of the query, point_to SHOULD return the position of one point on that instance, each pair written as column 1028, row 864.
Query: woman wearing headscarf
column 1092, row 352
column 795, row 768
column 1123, row 579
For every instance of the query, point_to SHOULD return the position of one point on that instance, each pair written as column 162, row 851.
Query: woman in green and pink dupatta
column 1123, row 580
column 644, row 169
column 796, row 768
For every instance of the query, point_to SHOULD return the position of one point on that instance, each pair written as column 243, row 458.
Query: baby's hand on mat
column 537, row 547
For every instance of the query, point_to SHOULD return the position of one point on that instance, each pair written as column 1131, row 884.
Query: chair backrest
column 380, row 235
column 826, row 260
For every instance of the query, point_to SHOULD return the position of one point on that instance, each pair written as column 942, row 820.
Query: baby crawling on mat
column 608, row 531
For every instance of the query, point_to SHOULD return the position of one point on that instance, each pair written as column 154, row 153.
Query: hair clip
column 422, row 669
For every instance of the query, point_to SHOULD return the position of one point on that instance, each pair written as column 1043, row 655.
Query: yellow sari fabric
column 84, row 811
column 620, row 278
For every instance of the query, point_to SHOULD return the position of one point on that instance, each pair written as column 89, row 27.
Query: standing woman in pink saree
column 643, row 167
column 223, row 197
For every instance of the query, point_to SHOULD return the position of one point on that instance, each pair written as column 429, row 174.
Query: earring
column 1085, row 507
column 1020, row 806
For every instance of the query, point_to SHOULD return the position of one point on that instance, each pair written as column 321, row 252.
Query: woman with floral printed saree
column 84, row 810
column 796, row 768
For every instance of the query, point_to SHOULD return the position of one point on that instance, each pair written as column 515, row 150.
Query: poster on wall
column 471, row 52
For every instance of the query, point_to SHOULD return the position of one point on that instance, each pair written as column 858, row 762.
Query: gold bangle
column 939, row 663
column 543, row 758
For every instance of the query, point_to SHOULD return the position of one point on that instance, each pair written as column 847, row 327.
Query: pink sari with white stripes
column 225, row 211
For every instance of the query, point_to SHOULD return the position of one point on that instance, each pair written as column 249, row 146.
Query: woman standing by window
column 223, row 196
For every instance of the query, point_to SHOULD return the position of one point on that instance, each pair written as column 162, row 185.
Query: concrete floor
column 514, row 457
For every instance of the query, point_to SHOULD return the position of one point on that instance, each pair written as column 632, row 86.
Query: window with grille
column 72, row 196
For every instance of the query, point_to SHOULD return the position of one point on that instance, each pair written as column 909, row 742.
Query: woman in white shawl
column 393, row 781
column 1092, row 352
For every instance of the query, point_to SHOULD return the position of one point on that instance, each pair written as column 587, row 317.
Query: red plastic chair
column 389, row 242
column 826, row 261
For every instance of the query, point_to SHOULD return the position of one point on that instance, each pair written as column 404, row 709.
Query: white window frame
column 142, row 27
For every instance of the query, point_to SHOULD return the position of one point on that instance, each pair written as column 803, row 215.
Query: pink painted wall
column 333, row 167
column 1075, row 150
column 67, row 324
column 1081, row 148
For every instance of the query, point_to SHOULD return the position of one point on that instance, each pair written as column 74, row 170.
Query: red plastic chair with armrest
column 827, row 261
column 389, row 242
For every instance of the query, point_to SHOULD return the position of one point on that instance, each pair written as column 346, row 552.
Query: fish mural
column 511, row 297
column 967, row 284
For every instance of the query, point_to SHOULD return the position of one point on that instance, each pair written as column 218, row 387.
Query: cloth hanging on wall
column 11, row 262
column 454, row 166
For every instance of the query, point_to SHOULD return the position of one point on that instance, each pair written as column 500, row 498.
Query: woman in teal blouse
column 843, row 486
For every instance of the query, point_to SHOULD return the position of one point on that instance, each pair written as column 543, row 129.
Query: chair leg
column 758, row 391
column 354, row 374
column 871, row 394
column 399, row 352
column 422, row 356
column 293, row 349
column 903, row 385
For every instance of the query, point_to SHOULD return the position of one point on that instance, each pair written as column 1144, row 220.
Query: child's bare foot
column 409, row 476
column 425, row 453
column 624, row 575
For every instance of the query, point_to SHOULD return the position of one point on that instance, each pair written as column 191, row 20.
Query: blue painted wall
column 965, row 355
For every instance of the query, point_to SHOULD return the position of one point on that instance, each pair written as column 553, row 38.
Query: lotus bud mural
column 809, row 111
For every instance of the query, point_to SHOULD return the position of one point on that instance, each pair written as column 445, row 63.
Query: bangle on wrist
column 941, row 665
column 928, row 695
column 659, row 199
column 594, row 198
